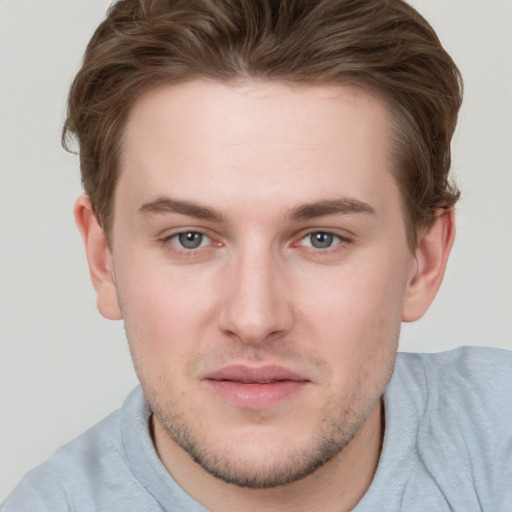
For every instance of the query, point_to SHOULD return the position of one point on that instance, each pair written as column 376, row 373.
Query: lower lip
column 255, row 396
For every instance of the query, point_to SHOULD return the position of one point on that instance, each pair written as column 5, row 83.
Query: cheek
column 158, row 324
column 164, row 310
column 358, row 308
column 359, row 324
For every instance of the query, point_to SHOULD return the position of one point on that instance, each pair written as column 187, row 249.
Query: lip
column 254, row 387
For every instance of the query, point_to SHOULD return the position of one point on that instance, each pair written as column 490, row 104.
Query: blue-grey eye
column 321, row 240
column 190, row 239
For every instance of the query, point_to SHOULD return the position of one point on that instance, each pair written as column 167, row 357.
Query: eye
column 190, row 240
column 321, row 240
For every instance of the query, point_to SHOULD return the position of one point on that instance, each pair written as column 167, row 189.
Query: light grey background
column 62, row 366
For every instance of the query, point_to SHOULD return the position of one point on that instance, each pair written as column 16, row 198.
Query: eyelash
column 338, row 242
column 170, row 240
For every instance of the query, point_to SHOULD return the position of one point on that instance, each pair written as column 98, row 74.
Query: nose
column 257, row 306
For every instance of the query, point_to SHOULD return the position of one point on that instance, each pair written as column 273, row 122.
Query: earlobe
column 99, row 259
column 430, row 259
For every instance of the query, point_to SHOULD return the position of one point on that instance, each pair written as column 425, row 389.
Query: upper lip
column 255, row 375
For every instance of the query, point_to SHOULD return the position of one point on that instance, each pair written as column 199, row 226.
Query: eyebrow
column 329, row 207
column 165, row 205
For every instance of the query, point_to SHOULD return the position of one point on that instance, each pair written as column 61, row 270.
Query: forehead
column 269, row 143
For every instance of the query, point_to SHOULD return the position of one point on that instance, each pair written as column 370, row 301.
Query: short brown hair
column 382, row 45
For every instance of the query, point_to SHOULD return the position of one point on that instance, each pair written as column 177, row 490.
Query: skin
column 302, row 269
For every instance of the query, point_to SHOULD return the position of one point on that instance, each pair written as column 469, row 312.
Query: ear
column 427, row 271
column 99, row 259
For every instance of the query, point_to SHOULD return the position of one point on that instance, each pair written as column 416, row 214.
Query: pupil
column 321, row 240
column 190, row 240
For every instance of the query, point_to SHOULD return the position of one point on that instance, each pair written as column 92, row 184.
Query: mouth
column 254, row 388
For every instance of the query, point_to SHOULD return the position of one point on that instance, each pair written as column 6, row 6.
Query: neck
column 336, row 486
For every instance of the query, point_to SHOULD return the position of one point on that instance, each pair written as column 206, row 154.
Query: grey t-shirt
column 447, row 447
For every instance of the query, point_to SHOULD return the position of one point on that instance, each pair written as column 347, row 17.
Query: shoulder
column 40, row 490
column 463, row 402
column 466, row 391
column 82, row 474
column 51, row 486
column 447, row 442
column 471, row 373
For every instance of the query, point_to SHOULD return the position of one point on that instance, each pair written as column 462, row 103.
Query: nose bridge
column 257, row 304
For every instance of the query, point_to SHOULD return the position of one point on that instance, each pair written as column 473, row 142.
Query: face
column 260, row 260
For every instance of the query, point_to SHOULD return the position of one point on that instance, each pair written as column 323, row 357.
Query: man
column 267, row 199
